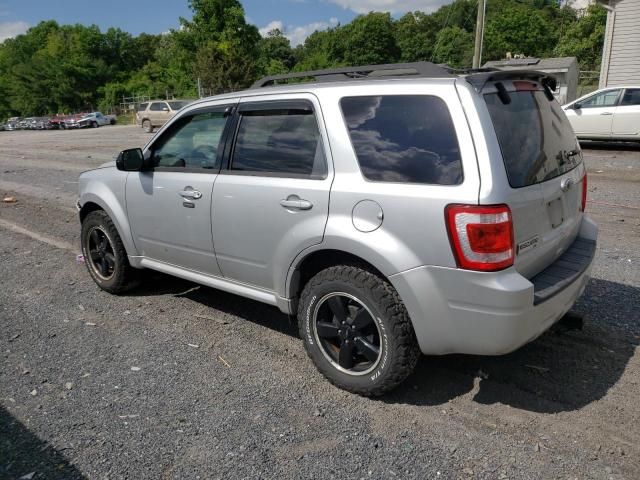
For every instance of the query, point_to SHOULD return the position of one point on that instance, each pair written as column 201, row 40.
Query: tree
column 515, row 28
column 584, row 38
column 276, row 55
column 416, row 36
column 369, row 39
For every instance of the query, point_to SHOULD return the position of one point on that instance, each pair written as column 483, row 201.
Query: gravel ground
column 176, row 380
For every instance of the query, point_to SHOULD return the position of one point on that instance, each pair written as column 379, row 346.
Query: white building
column 621, row 51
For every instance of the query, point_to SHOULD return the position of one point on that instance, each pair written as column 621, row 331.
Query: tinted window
column 284, row 141
column 142, row 106
column 158, row 106
column 404, row 138
column 191, row 142
column 535, row 137
column 631, row 97
column 177, row 105
column 604, row 99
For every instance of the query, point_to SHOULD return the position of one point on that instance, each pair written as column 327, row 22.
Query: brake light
column 584, row 193
column 481, row 236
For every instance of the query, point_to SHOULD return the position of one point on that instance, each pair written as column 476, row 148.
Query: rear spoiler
column 479, row 80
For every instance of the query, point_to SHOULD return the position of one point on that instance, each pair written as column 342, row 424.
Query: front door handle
column 293, row 202
column 606, row 113
column 190, row 193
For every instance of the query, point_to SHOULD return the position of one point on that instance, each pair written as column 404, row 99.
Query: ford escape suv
column 395, row 209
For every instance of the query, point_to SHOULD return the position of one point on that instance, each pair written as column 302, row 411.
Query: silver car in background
column 394, row 209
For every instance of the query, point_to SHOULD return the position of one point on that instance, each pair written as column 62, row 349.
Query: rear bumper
column 460, row 311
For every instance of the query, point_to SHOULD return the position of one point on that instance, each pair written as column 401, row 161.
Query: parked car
column 411, row 210
column 607, row 114
column 156, row 113
column 12, row 123
column 93, row 120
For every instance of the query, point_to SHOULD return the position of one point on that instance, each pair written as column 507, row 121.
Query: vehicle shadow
column 155, row 284
column 560, row 371
column 23, row 453
column 598, row 145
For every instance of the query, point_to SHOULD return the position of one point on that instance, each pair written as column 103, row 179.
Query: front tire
column 356, row 330
column 94, row 125
column 105, row 255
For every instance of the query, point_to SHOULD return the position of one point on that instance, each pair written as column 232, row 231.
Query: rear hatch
column 543, row 163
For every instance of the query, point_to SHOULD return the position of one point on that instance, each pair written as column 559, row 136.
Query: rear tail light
column 481, row 236
column 583, row 206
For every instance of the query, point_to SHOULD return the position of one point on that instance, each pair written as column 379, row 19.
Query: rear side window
column 603, row 99
column 535, row 137
column 404, row 138
column 142, row 107
column 158, row 106
column 284, row 141
column 631, row 97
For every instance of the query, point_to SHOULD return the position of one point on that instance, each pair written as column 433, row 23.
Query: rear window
column 535, row 137
column 404, row 138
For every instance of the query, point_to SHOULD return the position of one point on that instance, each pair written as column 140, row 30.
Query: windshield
column 535, row 137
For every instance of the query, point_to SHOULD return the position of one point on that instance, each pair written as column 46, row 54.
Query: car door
column 158, row 113
column 169, row 205
column 626, row 118
column 272, row 200
column 592, row 117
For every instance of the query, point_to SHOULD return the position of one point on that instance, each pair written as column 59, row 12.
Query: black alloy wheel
column 347, row 333
column 101, row 255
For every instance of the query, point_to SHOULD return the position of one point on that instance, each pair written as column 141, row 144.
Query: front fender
column 103, row 196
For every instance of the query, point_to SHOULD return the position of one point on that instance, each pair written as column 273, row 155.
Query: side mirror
column 131, row 160
column 165, row 109
column 577, row 106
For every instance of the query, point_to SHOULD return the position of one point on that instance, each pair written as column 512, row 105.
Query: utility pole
column 477, row 52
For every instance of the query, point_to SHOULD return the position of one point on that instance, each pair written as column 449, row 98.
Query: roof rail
column 417, row 69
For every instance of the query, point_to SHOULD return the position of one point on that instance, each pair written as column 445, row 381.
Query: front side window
column 158, row 106
column 404, row 138
column 283, row 140
column 604, row 99
column 191, row 142
column 631, row 97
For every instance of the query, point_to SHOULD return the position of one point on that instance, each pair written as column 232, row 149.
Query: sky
column 296, row 18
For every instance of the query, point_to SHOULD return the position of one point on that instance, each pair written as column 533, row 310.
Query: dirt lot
column 180, row 381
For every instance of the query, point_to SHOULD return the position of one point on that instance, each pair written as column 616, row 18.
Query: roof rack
column 417, row 69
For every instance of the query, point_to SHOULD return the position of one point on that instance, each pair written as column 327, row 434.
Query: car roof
column 312, row 87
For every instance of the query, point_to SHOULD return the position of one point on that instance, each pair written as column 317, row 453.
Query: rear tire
column 105, row 255
column 356, row 330
column 147, row 127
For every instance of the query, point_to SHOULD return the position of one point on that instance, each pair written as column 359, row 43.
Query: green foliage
column 584, row 38
column 59, row 68
column 368, row 39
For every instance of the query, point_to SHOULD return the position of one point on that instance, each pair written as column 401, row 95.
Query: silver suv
column 395, row 209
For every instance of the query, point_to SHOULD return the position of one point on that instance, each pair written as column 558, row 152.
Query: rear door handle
column 606, row 113
column 294, row 202
column 188, row 192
